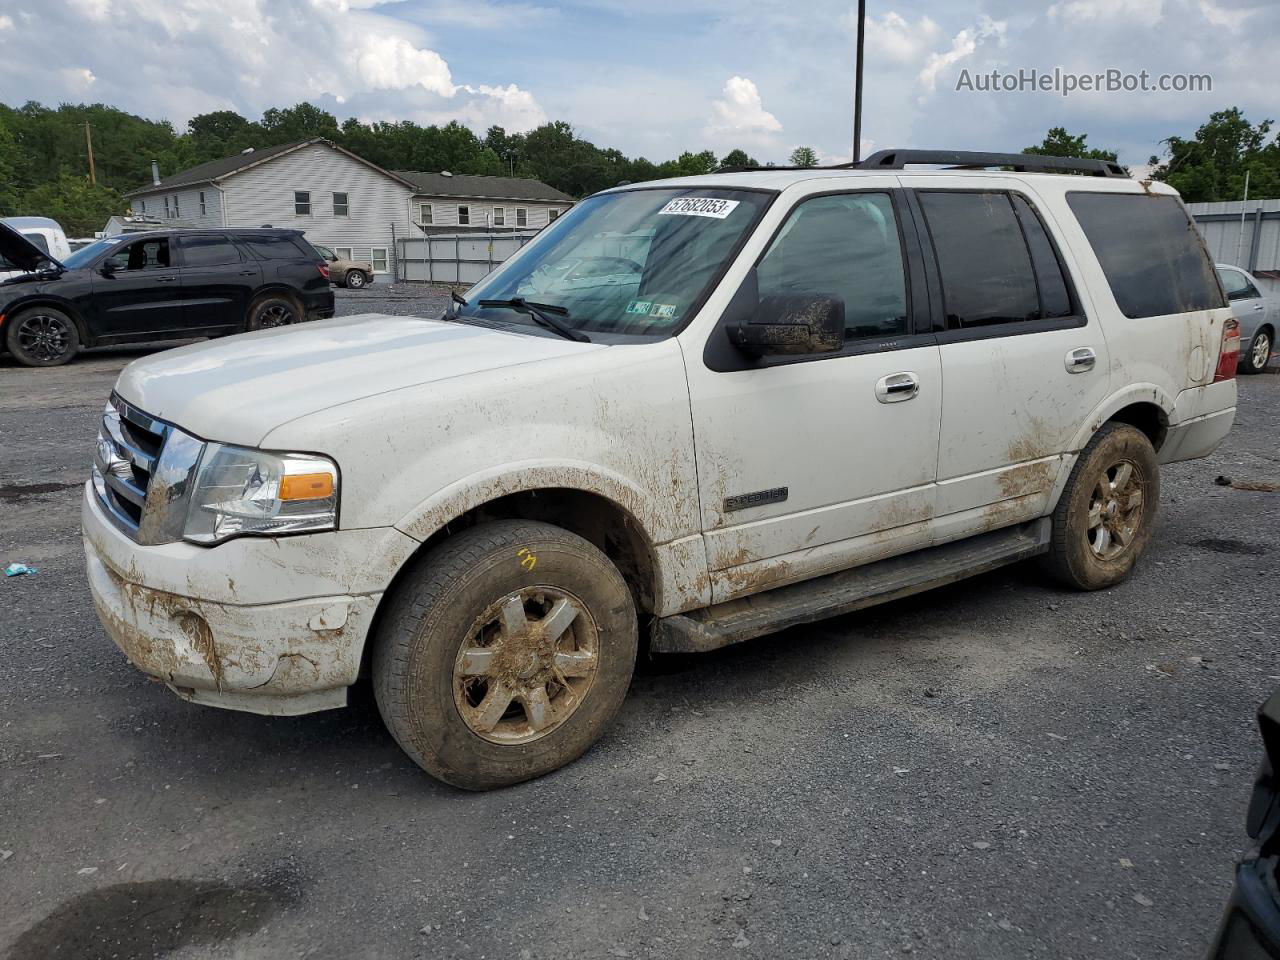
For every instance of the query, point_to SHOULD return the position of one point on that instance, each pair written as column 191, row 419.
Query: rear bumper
column 1250, row 928
column 318, row 304
column 1202, row 418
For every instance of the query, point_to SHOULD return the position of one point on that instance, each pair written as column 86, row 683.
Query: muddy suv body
column 826, row 388
column 352, row 274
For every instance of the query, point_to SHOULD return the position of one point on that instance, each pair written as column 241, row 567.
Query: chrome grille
column 129, row 445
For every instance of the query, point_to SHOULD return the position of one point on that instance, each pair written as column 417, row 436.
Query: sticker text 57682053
column 699, row 207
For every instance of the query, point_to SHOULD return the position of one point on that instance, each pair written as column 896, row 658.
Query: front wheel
column 42, row 337
column 505, row 653
column 1107, row 512
column 1254, row 360
column 355, row 279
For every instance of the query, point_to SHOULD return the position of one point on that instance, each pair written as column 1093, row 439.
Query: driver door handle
column 897, row 387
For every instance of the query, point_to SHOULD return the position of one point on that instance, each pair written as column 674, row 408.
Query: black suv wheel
column 42, row 337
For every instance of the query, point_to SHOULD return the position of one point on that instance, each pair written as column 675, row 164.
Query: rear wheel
column 1254, row 360
column 42, row 337
column 1107, row 512
column 505, row 653
column 355, row 279
column 273, row 310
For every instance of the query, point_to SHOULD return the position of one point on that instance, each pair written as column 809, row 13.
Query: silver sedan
column 1259, row 316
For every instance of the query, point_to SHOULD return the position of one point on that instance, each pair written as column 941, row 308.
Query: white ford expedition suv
column 694, row 411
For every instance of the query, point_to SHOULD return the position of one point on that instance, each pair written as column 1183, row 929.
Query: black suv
column 159, row 285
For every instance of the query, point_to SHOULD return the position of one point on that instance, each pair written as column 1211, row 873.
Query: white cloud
column 963, row 45
column 896, row 39
column 78, row 79
column 1221, row 16
column 6, row 23
column 393, row 63
column 1148, row 11
column 740, row 113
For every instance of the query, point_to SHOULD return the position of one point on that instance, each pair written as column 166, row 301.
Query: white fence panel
column 462, row 258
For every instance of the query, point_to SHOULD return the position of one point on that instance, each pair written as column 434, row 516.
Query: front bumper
column 178, row 613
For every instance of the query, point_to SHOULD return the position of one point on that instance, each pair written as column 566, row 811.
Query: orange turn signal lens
column 306, row 486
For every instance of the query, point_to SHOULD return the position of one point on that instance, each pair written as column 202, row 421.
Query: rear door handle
column 165, row 279
column 1081, row 359
column 247, row 273
column 897, row 387
column 1258, row 306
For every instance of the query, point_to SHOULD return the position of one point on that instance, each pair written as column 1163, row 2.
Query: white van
column 825, row 388
column 46, row 234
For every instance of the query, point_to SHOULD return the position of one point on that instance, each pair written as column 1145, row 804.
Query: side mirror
column 785, row 324
column 107, row 268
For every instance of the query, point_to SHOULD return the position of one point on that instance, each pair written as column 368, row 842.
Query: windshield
column 626, row 266
column 86, row 255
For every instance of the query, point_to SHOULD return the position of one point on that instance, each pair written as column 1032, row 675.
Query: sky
column 658, row 77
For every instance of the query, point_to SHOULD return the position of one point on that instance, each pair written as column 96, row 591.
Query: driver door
column 140, row 292
column 811, row 464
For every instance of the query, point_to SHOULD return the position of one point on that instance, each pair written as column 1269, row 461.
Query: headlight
column 238, row 491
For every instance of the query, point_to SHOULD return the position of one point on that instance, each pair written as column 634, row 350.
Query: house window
column 426, row 215
column 340, row 205
column 167, row 214
column 552, row 214
column 464, row 215
column 176, row 211
column 203, row 211
column 522, row 217
column 378, row 255
column 343, row 253
column 302, row 203
column 499, row 217
column 144, row 207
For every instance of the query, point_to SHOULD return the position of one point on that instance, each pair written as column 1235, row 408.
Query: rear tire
column 42, row 337
column 504, row 653
column 355, row 280
column 1254, row 359
column 273, row 310
column 1107, row 512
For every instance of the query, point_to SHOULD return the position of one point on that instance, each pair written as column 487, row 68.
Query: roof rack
column 978, row 160
column 962, row 160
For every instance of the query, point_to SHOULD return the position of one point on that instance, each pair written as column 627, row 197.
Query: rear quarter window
column 1150, row 252
column 278, row 247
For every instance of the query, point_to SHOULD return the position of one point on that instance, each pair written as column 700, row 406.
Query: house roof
column 226, row 166
column 479, row 187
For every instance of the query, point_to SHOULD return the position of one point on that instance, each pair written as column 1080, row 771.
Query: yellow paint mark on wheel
column 528, row 559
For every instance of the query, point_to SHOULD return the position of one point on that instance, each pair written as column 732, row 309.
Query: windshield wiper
column 544, row 314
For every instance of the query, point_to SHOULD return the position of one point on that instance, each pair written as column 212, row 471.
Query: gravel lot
column 995, row 769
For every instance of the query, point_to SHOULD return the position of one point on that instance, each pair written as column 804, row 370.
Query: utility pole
column 88, row 140
column 857, row 84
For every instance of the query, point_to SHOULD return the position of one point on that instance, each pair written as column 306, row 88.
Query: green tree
column 1211, row 165
column 803, row 157
column 79, row 206
column 1059, row 143
column 738, row 158
column 302, row 121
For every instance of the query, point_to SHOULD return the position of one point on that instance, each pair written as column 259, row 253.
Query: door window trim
column 944, row 335
column 721, row 356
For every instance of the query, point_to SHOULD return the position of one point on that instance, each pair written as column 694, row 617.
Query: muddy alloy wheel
column 271, row 312
column 1259, row 353
column 504, row 653
column 355, row 279
column 1106, row 514
column 42, row 337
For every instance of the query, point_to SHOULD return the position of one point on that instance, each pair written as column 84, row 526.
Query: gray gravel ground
column 996, row 769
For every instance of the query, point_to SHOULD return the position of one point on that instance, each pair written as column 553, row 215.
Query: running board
column 865, row 586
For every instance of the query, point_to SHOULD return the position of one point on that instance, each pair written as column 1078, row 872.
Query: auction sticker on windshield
column 699, row 207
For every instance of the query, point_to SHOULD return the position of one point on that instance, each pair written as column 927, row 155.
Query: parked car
column 43, row 233
column 1250, row 928
column 1259, row 316
column 830, row 388
column 353, row 274
column 159, row 285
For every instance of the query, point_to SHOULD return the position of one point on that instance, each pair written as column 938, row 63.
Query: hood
column 21, row 252
column 238, row 389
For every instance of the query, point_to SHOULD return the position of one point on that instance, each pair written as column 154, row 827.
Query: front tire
column 1254, row 360
column 1106, row 515
column 505, row 653
column 355, row 280
column 42, row 337
column 272, row 310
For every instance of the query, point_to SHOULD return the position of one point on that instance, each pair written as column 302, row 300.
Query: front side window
column 340, row 206
column 152, row 254
column 626, row 266
column 522, row 217
column 426, row 215
column 845, row 247
column 208, row 251
column 1237, row 285
column 1150, row 252
column 302, row 203
column 499, row 217
column 987, row 274
column 378, row 255
column 464, row 215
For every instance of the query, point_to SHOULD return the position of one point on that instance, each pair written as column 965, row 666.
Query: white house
column 341, row 200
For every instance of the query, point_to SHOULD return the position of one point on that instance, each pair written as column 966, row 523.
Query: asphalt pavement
column 996, row 769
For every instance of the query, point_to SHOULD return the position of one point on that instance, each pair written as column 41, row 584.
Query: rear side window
column 1150, row 252
column 208, row 251
column 1237, row 285
column 987, row 275
column 268, row 246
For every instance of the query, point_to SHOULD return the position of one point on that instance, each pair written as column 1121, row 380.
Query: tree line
column 44, row 154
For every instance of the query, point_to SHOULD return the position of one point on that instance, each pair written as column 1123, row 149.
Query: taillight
column 324, row 272
column 1229, row 355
